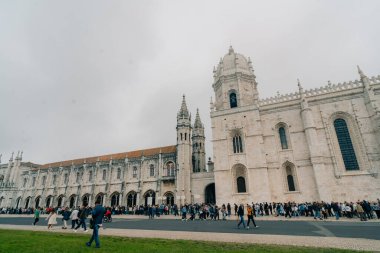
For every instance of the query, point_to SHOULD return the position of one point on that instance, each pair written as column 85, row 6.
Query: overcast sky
column 86, row 78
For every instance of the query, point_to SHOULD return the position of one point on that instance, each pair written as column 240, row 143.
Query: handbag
column 92, row 223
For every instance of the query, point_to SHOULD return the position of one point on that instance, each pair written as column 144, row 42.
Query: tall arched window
column 290, row 179
column 90, row 176
column 78, row 177
column 151, row 170
column 170, row 169
column 233, row 100
column 66, row 178
column 118, row 173
column 54, row 179
column 240, row 181
column 134, row 172
column 237, row 144
column 345, row 144
column 104, row 174
column 25, row 180
column 284, row 142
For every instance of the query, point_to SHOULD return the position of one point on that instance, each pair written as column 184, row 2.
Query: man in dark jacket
column 240, row 213
column 97, row 219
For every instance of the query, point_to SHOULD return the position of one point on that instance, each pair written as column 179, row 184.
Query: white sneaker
column 86, row 230
column 257, row 227
column 75, row 230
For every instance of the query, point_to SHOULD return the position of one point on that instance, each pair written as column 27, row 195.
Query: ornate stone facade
column 150, row 176
column 318, row 144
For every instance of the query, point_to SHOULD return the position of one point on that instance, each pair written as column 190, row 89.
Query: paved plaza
column 350, row 234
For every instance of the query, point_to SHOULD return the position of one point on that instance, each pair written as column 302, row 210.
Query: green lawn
column 30, row 241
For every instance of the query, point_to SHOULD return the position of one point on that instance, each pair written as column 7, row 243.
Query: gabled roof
column 116, row 156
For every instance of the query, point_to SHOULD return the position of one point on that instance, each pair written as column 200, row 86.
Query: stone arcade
column 318, row 144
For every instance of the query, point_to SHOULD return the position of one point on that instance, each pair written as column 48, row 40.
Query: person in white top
column 74, row 218
column 52, row 219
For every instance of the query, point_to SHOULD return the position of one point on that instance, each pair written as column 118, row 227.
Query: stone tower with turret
column 198, row 139
column 184, row 150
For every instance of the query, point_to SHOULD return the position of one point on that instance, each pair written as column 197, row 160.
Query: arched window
column 150, row 198
column 104, row 175
column 99, row 198
column 72, row 201
column 115, row 199
column 66, row 178
column 24, row 184
column 78, row 177
column 170, row 169
column 134, row 172
column 284, row 142
column 90, row 176
column 60, row 200
column 151, row 170
column 237, row 144
column 345, row 144
column 185, row 136
column 54, row 179
column 233, row 100
column 131, row 199
column 290, row 179
column 240, row 181
column 33, row 181
column 181, row 136
column 118, row 173
column 37, row 204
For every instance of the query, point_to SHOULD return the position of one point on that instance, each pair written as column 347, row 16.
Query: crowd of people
column 363, row 210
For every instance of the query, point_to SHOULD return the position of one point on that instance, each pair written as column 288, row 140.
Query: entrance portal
column 210, row 194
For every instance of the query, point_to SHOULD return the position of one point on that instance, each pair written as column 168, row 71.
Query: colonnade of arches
column 115, row 199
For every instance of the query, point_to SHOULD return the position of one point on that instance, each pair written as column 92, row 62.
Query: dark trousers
column 35, row 221
column 95, row 236
column 73, row 223
column 250, row 218
column 241, row 217
column 83, row 223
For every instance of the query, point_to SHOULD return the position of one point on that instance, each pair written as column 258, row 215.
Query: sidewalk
column 233, row 217
column 308, row 241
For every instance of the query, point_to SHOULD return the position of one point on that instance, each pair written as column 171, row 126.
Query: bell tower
column 198, row 139
column 183, row 155
column 234, row 82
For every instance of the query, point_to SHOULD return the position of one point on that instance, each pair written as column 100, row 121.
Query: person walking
column 36, row 216
column 228, row 210
column 74, row 218
column 250, row 216
column 82, row 219
column 97, row 218
column 240, row 213
column 52, row 219
column 65, row 217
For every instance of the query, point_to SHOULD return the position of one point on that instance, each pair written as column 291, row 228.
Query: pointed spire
column 18, row 155
column 198, row 122
column 183, row 112
column 11, row 159
column 231, row 50
column 299, row 86
column 361, row 73
column 21, row 154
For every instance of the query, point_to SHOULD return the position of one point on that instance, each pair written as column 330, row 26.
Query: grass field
column 30, row 241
